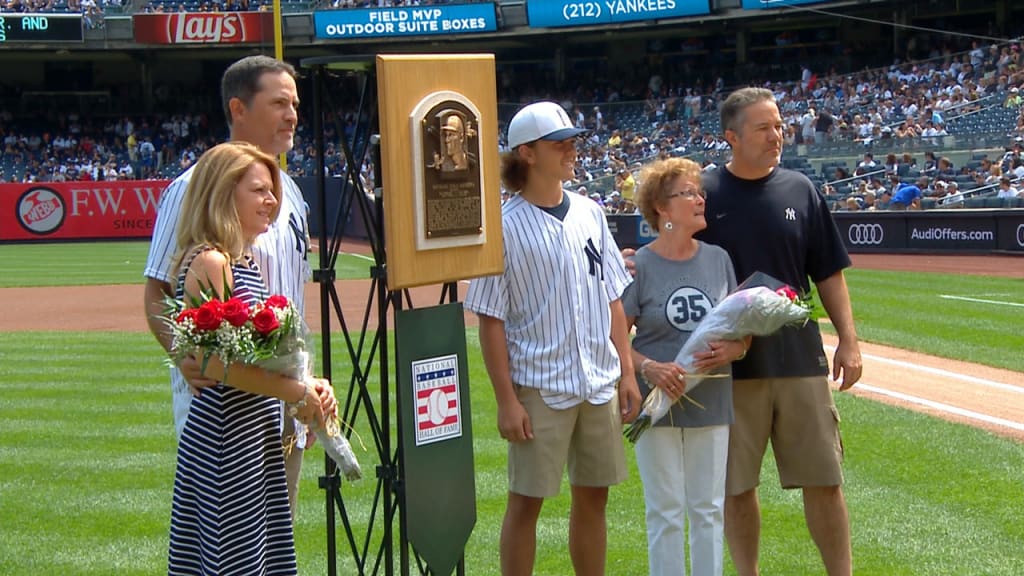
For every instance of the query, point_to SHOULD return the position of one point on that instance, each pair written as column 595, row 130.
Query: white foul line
column 943, row 373
column 983, row 301
column 364, row 257
column 943, row 407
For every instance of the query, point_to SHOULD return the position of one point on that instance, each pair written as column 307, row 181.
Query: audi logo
column 866, row 234
column 1020, row 235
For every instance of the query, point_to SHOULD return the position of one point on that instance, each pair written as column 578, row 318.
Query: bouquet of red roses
column 747, row 311
column 270, row 335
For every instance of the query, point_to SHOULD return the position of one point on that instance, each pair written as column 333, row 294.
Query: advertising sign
column 765, row 4
column 949, row 234
column 1011, row 231
column 355, row 23
column 40, row 28
column 558, row 13
column 204, row 28
column 79, row 210
column 872, row 233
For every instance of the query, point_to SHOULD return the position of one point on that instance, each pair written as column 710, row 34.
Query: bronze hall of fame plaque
column 452, row 194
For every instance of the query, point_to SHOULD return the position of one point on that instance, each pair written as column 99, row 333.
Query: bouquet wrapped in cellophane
column 753, row 311
column 270, row 335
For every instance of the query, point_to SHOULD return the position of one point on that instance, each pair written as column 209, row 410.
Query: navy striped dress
column 230, row 512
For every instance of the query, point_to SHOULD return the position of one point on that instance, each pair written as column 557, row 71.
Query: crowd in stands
column 92, row 10
column 880, row 111
column 166, row 6
column 914, row 104
column 77, row 148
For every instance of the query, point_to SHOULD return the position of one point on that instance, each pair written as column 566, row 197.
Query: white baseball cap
column 541, row 121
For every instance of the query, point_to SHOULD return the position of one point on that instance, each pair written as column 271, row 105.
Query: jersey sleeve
column 488, row 296
column 164, row 243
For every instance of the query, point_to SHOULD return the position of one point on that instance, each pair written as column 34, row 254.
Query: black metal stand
column 363, row 347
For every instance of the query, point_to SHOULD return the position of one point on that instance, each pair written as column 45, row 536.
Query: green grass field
column 99, row 263
column 87, row 449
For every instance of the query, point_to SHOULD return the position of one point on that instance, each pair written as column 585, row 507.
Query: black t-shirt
column 781, row 226
column 823, row 123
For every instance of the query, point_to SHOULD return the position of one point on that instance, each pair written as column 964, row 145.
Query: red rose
column 236, row 312
column 277, row 301
column 187, row 314
column 788, row 293
column 210, row 315
column 265, row 321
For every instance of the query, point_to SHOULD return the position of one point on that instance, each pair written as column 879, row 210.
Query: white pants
column 683, row 472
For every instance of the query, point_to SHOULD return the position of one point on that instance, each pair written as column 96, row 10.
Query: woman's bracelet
column 294, row 407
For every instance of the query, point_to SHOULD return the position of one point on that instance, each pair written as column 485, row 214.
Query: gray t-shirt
column 668, row 299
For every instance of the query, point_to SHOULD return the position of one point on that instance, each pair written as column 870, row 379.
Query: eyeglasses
column 688, row 194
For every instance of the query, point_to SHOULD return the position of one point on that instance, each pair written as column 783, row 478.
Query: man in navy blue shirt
column 772, row 220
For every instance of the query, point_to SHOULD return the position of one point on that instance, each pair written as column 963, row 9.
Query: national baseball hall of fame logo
column 436, row 384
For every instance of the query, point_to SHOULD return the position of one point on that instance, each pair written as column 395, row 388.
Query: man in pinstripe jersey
column 261, row 104
column 553, row 334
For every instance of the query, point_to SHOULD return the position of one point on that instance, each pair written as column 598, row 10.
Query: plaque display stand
column 365, row 403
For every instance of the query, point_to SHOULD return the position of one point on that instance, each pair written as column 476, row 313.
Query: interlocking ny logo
column 594, row 258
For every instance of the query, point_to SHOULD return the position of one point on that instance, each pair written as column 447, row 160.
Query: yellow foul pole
column 279, row 54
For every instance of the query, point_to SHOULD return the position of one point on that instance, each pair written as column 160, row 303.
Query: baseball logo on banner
column 436, row 383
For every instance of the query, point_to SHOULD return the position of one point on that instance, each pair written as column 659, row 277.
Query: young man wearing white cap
column 554, row 340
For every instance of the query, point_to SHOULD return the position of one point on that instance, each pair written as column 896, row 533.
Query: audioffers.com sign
column 963, row 234
column 79, row 210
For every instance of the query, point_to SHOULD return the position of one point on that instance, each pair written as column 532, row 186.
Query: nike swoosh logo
column 719, row 216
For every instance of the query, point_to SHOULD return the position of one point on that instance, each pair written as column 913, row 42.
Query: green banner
column 437, row 434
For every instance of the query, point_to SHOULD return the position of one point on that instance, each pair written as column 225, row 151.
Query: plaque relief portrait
column 453, row 154
column 449, row 184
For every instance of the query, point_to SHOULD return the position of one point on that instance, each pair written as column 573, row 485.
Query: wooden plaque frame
column 407, row 86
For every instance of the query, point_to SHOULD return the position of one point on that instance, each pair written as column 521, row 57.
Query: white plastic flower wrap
column 747, row 311
column 296, row 362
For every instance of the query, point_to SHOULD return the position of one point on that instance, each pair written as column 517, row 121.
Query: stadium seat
column 975, row 202
column 928, row 203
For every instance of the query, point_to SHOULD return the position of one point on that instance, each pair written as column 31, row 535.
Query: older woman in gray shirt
column 682, row 459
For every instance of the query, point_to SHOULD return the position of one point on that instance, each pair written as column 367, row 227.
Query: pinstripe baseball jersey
column 280, row 254
column 560, row 277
